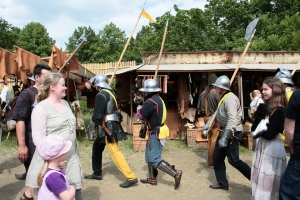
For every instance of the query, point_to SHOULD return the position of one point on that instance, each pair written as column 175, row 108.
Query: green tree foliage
column 111, row 45
column 86, row 53
column 8, row 35
column 35, row 38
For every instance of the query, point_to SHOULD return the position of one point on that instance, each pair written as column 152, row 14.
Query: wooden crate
column 139, row 144
column 248, row 141
column 191, row 138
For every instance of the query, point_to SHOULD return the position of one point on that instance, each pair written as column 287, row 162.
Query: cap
column 53, row 146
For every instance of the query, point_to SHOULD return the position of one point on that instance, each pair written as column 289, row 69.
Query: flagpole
column 161, row 50
column 125, row 47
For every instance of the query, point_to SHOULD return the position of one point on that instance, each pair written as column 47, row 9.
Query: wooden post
column 76, row 115
column 68, row 88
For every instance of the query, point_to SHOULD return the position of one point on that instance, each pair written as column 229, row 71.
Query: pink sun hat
column 53, row 146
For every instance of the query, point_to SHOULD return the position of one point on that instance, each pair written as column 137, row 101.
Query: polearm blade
column 250, row 31
column 83, row 38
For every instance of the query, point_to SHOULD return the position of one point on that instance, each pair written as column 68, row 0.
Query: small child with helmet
column 52, row 179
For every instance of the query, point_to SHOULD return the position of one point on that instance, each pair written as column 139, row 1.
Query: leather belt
column 156, row 127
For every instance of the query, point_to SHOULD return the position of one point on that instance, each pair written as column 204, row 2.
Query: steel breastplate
column 221, row 117
column 111, row 106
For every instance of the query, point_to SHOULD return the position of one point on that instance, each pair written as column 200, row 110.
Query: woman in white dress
column 269, row 160
column 52, row 115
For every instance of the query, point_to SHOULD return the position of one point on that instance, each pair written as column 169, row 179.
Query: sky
column 62, row 17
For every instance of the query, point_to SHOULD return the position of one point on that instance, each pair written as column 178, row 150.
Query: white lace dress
column 46, row 120
column 268, row 166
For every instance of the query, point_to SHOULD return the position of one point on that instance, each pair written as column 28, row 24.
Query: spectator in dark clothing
column 22, row 116
column 291, row 178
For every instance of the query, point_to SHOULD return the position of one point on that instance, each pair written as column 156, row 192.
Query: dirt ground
column 194, row 183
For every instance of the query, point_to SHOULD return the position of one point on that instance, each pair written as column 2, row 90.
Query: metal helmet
column 31, row 78
column 284, row 75
column 223, row 82
column 101, row 81
column 150, row 85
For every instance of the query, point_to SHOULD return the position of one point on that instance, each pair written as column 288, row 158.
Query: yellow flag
column 144, row 14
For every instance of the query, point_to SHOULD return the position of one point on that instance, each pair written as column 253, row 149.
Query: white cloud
column 61, row 18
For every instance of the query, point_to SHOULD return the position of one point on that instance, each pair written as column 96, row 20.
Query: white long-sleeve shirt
column 5, row 94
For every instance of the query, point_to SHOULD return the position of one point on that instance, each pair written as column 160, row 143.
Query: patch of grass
column 244, row 150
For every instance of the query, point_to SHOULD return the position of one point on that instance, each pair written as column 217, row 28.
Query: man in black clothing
column 22, row 116
column 291, row 178
column 108, row 120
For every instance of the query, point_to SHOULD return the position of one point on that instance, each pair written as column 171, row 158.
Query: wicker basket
column 139, row 144
column 248, row 141
column 136, row 127
column 191, row 138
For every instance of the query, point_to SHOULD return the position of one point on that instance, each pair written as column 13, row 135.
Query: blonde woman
column 52, row 115
column 256, row 99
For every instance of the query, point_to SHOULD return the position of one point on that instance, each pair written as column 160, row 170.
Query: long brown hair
column 278, row 93
column 50, row 79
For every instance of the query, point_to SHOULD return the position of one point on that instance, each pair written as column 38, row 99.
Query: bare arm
column 289, row 127
column 22, row 148
column 68, row 194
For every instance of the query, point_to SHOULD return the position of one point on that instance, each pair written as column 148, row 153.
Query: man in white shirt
column 5, row 94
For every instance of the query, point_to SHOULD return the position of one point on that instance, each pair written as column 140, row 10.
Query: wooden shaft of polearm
column 293, row 72
column 161, row 50
column 232, row 78
column 125, row 47
column 67, row 61
column 239, row 63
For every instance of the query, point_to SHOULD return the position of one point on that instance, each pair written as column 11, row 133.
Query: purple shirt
column 56, row 182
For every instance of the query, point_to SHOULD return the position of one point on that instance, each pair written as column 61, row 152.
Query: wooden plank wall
column 104, row 68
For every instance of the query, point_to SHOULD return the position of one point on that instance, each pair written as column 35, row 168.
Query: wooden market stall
column 192, row 70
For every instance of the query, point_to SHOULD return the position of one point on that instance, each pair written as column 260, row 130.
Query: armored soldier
column 228, row 116
column 286, row 77
column 107, row 118
column 154, row 111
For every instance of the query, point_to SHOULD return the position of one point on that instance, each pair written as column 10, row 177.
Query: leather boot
column 152, row 177
column 223, row 141
column 170, row 169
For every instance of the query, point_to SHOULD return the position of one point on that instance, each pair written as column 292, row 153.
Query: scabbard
column 105, row 128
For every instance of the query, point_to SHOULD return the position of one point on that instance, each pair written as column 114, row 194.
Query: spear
column 250, row 31
column 83, row 38
column 161, row 49
column 125, row 47
column 296, row 67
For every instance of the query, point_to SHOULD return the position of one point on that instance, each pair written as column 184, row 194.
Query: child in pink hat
column 52, row 179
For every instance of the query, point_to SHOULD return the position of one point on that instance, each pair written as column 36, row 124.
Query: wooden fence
column 104, row 68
